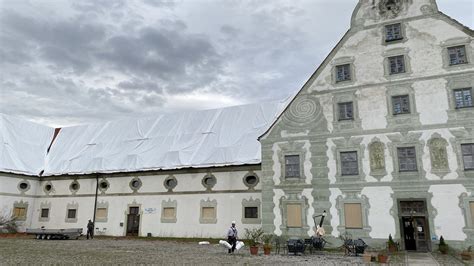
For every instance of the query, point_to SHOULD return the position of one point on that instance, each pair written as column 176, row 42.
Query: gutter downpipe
column 96, row 194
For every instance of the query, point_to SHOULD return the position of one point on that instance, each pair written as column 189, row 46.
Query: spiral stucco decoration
column 304, row 110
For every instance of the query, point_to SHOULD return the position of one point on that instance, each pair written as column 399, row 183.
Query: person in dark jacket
column 232, row 237
column 90, row 229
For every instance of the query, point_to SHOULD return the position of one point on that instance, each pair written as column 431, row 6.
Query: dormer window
column 393, row 32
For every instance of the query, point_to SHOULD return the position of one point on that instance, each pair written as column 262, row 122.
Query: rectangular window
column 19, row 213
column 463, row 98
column 471, row 204
column 346, row 111
column 349, row 163
column 208, row 213
column 101, row 213
column 401, row 104
column 71, row 213
column 353, row 215
column 393, row 32
column 343, row 73
column 396, row 64
column 407, row 159
column 457, row 55
column 293, row 213
column 468, row 156
column 292, row 166
column 251, row 212
column 169, row 213
column 44, row 213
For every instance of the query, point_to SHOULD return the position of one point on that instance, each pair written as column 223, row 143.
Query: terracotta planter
column 367, row 257
column 266, row 250
column 383, row 258
column 254, row 250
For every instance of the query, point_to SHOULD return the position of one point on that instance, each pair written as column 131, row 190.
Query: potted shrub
column 267, row 246
column 382, row 257
column 392, row 246
column 467, row 254
column 443, row 247
column 254, row 237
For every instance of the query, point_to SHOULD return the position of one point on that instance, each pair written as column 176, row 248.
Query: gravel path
column 137, row 251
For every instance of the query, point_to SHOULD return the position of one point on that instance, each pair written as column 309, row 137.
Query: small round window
column 103, row 185
column 48, row 187
column 23, row 186
column 209, row 181
column 74, row 187
column 251, row 180
column 135, row 184
column 170, row 183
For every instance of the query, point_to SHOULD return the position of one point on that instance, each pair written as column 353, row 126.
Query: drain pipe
column 96, row 194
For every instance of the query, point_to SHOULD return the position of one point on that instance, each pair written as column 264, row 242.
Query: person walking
column 232, row 237
column 90, row 229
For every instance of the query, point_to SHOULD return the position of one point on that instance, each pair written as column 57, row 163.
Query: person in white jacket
column 232, row 237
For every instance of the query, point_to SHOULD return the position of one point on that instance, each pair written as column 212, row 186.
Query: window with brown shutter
column 101, row 213
column 472, row 211
column 170, row 213
column 293, row 215
column 353, row 215
column 19, row 212
column 208, row 213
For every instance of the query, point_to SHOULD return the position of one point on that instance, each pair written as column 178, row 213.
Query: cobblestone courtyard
column 133, row 251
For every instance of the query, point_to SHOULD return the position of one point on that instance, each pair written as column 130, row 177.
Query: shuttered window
column 293, row 215
column 208, row 213
column 292, row 166
column 19, row 212
column 471, row 204
column 101, row 213
column 353, row 215
column 457, row 55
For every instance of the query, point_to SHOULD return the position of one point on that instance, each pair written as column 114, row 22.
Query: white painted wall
column 380, row 220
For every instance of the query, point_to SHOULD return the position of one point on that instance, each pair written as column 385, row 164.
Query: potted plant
column 267, row 246
column 443, row 247
column 382, row 257
column 467, row 254
column 392, row 246
column 254, row 237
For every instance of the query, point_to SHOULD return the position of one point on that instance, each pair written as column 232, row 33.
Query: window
column 101, row 213
column 468, row 156
column 208, row 213
column 396, row 64
column 293, row 215
column 457, row 55
column 463, row 98
column 44, row 213
column 471, row 205
column 393, row 32
column 251, row 212
column 349, row 163
column 71, row 213
column 19, row 213
column 346, row 111
column 407, row 159
column 401, row 104
column 353, row 215
column 343, row 73
column 169, row 213
column 292, row 166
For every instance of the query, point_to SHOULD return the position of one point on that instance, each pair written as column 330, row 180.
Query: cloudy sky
column 69, row 62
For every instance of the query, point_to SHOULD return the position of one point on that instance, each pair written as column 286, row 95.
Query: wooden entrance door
column 133, row 221
column 414, row 225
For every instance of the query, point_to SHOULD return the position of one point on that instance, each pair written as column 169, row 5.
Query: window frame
column 401, row 33
column 251, row 208
column 69, row 212
column 405, row 158
column 293, row 164
column 400, row 97
column 42, row 212
column 395, row 57
column 356, row 161
column 464, row 155
column 345, row 105
column 346, row 73
column 450, row 48
column 463, row 100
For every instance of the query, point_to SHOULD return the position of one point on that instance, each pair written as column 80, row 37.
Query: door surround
column 127, row 212
column 421, row 213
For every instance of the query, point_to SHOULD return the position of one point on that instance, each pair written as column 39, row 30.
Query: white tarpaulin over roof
column 206, row 138
column 23, row 145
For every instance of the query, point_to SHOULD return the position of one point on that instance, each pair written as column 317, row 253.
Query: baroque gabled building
column 380, row 137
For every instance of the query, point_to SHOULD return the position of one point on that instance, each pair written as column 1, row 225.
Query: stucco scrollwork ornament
column 303, row 111
column 438, row 153
column 392, row 8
